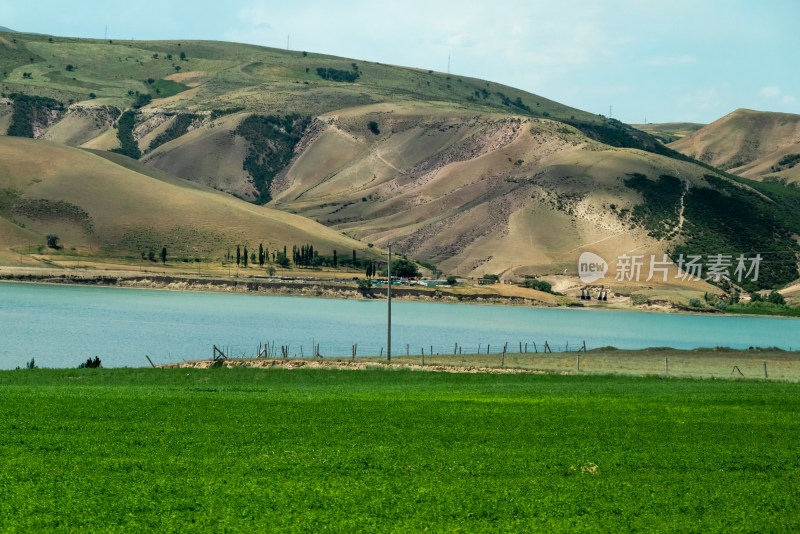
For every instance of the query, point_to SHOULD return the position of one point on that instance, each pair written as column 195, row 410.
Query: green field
column 319, row 450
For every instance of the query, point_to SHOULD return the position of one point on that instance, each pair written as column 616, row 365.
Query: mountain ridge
column 470, row 175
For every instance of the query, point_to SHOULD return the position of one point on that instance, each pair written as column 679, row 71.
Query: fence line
column 546, row 357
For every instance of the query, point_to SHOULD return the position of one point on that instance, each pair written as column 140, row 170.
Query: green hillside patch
column 31, row 111
column 659, row 213
column 250, row 450
column 125, row 126
column 165, row 88
column 272, row 140
column 66, row 78
column 338, row 75
column 731, row 219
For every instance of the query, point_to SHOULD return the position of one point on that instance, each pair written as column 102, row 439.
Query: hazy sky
column 665, row 61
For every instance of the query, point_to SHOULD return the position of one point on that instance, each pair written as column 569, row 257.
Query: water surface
column 60, row 326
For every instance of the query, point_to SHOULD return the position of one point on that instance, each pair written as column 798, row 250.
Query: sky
column 669, row 61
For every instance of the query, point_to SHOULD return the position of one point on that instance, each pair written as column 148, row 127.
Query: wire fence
column 276, row 348
column 539, row 356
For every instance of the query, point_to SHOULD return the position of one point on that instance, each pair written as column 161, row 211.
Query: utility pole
column 389, row 307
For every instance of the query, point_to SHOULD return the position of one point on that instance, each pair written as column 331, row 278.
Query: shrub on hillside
column 337, row 75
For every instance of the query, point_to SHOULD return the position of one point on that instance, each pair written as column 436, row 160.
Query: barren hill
column 753, row 144
column 100, row 207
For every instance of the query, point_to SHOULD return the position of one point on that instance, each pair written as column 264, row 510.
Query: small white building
column 431, row 283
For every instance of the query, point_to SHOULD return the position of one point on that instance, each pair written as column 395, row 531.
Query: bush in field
column 91, row 363
column 539, row 285
column 364, row 283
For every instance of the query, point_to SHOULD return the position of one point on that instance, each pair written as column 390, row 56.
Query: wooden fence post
column 579, row 362
column 666, row 366
column 765, row 369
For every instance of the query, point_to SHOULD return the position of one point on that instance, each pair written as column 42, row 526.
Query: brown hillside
column 101, row 207
column 747, row 143
column 473, row 194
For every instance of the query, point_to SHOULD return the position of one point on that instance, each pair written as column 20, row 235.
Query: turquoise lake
column 61, row 326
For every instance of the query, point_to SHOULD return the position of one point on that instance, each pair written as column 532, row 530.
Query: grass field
column 317, row 450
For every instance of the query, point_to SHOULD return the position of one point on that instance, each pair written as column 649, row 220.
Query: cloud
column 705, row 99
column 255, row 16
column 669, row 61
column 774, row 93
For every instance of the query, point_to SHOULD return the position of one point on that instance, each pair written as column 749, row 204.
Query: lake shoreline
column 328, row 289
column 260, row 286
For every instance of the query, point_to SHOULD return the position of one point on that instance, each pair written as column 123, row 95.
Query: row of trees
column 308, row 256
